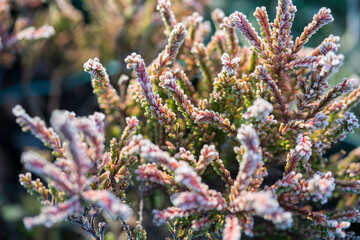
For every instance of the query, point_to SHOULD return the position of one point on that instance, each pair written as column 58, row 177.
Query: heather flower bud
column 160, row 217
column 200, row 224
column 232, row 229
column 229, row 66
column 95, row 68
column 321, row 186
column 349, row 122
column 303, row 147
column 260, row 110
column 265, row 205
column 330, row 63
column 31, row 33
column 217, row 15
column 167, row 15
column 338, row 228
column 247, row 136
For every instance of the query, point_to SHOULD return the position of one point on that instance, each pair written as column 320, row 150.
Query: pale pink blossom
column 330, row 63
column 160, row 217
column 207, row 155
column 260, row 110
column 31, row 33
column 62, row 122
column 111, row 204
column 150, row 172
column 185, row 155
column 290, row 180
column 133, row 122
column 229, row 65
column 38, row 127
column 303, row 147
column 95, row 68
column 247, row 136
column 52, row 214
column 39, row 165
column 338, row 228
column 321, row 186
column 201, row 223
column 192, row 200
column 217, row 15
column 232, row 229
column 263, row 204
column 186, row 175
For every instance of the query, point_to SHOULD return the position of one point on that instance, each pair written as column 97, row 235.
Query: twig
column 126, row 228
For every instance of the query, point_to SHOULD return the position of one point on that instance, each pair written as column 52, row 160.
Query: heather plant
column 259, row 118
column 80, row 28
column 14, row 31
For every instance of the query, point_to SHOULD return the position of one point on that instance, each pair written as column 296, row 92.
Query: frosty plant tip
column 233, row 136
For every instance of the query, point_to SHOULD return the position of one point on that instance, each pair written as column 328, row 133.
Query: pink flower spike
column 39, row 165
column 191, row 200
column 37, row 127
column 306, row 62
column 157, row 110
column 320, row 121
column 247, row 136
column 150, row 172
column 200, row 224
column 320, row 19
column 207, row 155
column 186, row 175
column 265, row 205
column 160, row 217
column 53, row 214
column 112, row 205
column 167, row 15
column 108, row 98
column 281, row 32
column 260, row 110
column 240, row 21
column 62, row 121
column 303, row 147
column 215, row 119
column 232, row 229
column 321, row 186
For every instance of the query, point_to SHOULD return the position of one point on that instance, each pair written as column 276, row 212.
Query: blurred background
column 43, row 72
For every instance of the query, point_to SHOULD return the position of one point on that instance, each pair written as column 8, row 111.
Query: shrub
column 269, row 102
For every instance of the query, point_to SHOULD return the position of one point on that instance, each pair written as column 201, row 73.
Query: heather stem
column 126, row 228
